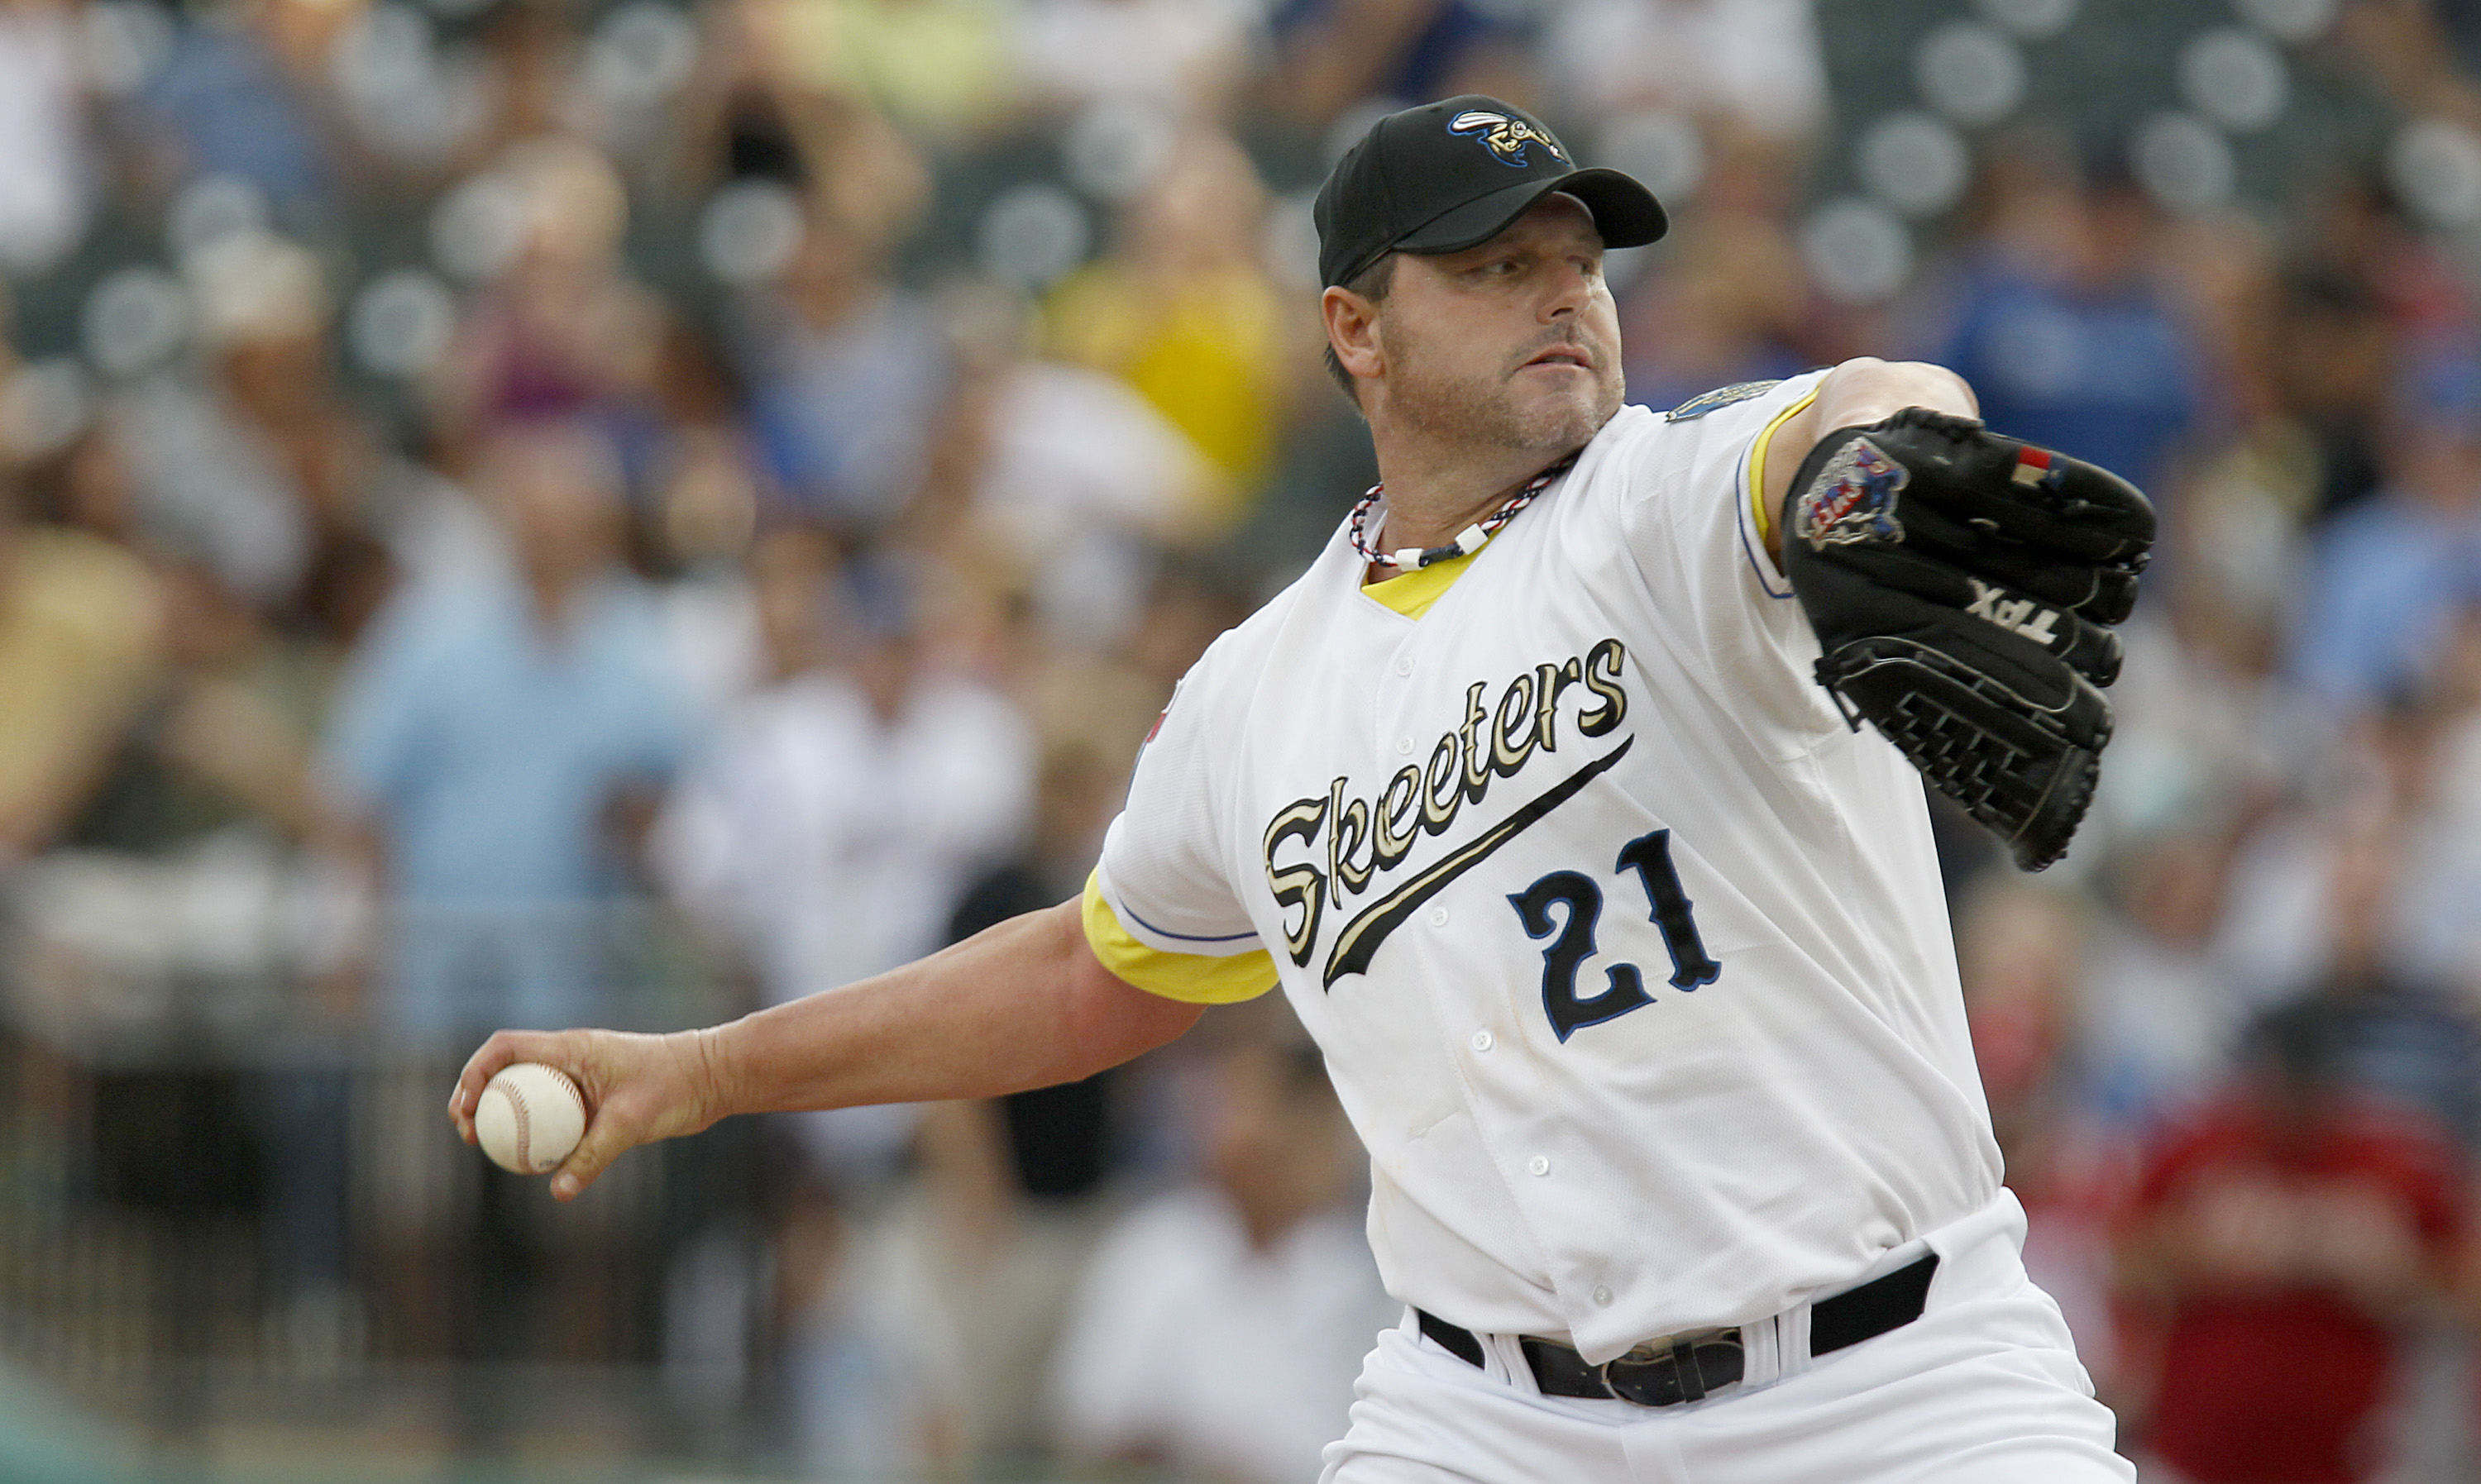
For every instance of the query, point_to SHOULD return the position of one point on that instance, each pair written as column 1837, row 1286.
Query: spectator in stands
column 239, row 96
column 1184, row 311
column 2060, row 329
column 225, row 741
column 2282, row 1241
column 2363, row 227
column 45, row 170
column 81, row 644
column 498, row 750
column 847, row 372
column 2388, row 1034
column 1066, row 481
column 213, row 473
column 841, row 810
column 1221, row 1326
column 837, row 815
column 2333, row 363
column 2160, row 1017
column 2392, row 572
column 501, row 741
column 2350, row 887
column 563, row 329
column 253, row 464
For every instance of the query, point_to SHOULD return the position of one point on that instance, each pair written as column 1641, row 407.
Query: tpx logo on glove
column 1852, row 500
column 2015, row 615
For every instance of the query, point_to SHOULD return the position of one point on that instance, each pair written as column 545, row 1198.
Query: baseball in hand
column 530, row 1116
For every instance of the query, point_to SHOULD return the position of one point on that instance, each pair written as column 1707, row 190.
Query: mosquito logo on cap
column 1505, row 138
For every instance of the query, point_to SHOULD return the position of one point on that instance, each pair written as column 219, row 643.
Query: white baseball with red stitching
column 528, row 1118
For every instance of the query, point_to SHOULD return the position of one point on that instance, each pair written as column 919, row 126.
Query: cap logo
column 1505, row 138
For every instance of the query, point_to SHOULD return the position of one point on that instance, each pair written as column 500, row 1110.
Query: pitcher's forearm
column 1858, row 392
column 1865, row 389
column 1022, row 1004
column 1025, row 1004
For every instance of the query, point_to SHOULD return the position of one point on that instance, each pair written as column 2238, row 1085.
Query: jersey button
column 1404, row 664
column 1403, row 746
column 1482, row 1041
column 1602, row 1295
column 1539, row 1165
column 1438, row 917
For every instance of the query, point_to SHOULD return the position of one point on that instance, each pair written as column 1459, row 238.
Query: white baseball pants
column 1985, row 1385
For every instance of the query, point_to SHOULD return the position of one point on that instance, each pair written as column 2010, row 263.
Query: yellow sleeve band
column 1757, row 467
column 1198, row 979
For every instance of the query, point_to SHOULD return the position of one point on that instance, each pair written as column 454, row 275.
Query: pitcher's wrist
column 714, row 1077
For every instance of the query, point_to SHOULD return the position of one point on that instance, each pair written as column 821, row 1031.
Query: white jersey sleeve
column 1691, row 515
column 1164, row 879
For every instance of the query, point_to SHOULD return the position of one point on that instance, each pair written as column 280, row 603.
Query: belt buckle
column 1668, row 1370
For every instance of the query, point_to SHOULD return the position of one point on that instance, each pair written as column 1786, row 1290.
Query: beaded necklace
column 1471, row 539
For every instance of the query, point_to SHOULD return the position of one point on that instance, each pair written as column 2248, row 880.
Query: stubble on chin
column 1485, row 412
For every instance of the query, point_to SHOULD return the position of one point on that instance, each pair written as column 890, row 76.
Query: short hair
column 1370, row 283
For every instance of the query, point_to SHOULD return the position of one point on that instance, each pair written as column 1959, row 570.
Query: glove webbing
column 2020, row 786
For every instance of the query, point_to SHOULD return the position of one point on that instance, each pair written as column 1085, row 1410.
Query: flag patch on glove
column 2037, row 466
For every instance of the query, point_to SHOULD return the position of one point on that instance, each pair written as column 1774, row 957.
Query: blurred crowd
column 512, row 507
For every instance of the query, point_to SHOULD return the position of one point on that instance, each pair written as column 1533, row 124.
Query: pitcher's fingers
column 504, row 1048
column 607, row 1137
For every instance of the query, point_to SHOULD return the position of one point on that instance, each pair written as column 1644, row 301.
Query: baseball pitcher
column 1574, row 797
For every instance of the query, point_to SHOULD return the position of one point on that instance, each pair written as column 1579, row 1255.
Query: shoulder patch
column 1703, row 403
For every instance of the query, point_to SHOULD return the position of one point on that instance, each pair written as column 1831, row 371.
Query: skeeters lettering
column 1351, row 842
column 1361, row 937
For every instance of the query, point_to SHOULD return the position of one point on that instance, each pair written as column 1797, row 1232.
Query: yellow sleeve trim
column 1757, row 467
column 1197, row 978
column 1414, row 592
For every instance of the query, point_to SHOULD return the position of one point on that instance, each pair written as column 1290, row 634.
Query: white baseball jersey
column 1629, row 960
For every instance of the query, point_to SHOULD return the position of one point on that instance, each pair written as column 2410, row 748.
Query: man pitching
column 1544, row 795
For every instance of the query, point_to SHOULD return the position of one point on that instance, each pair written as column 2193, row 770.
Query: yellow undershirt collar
column 1412, row 594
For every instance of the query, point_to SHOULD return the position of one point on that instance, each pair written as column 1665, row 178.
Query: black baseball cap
column 1448, row 175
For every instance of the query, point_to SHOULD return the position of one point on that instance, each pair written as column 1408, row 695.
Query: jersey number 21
column 1649, row 858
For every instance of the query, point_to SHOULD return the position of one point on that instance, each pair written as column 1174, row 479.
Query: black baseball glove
column 1961, row 585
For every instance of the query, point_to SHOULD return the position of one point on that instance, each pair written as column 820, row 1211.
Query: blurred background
column 620, row 512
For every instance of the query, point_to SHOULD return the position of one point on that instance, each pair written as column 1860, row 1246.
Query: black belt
column 1686, row 1367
